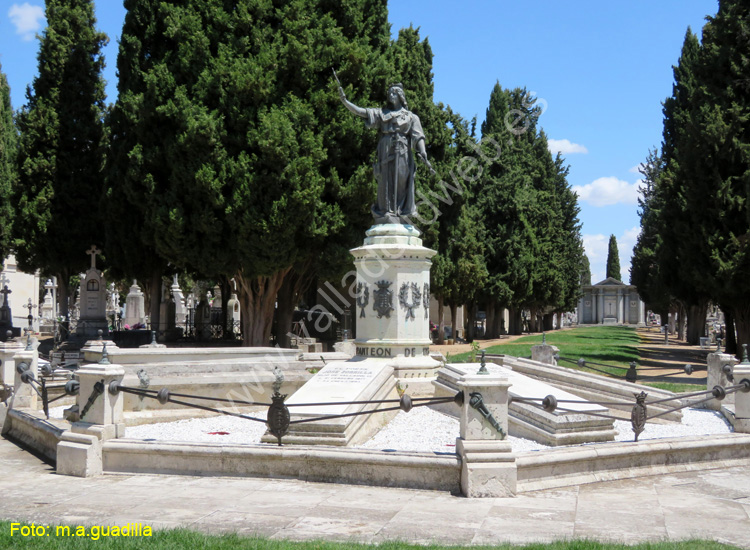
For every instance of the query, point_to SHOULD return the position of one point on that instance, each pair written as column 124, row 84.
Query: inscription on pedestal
column 374, row 352
column 388, row 352
column 345, row 375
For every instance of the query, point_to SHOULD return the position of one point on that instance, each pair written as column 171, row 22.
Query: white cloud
column 607, row 191
column 597, row 248
column 565, row 147
column 27, row 19
column 637, row 168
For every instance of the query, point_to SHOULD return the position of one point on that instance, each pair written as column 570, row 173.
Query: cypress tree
column 613, row 259
column 62, row 148
column 258, row 167
column 8, row 145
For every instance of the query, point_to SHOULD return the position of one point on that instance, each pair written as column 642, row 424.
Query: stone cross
column 5, row 291
column 93, row 252
column 4, row 280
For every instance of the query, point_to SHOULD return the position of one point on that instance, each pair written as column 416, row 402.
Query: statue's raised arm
column 359, row 111
column 400, row 133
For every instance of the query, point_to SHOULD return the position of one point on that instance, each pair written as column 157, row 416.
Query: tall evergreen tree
column 257, row 164
column 8, row 146
column 613, row 259
column 585, row 271
column 714, row 164
column 62, row 148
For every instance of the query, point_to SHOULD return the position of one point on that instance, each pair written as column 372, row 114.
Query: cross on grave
column 30, row 317
column 93, row 252
column 610, row 308
column 5, row 291
column 3, row 280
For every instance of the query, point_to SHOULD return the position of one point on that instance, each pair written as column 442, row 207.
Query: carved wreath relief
column 383, row 299
column 426, row 300
column 363, row 298
column 403, row 298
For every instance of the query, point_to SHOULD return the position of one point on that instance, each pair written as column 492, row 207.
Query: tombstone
column 179, row 301
column 203, row 320
column 233, row 315
column 92, row 315
column 135, row 308
column 167, row 312
column 48, row 305
column 6, row 317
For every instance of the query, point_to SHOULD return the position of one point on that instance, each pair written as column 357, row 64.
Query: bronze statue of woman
column 400, row 132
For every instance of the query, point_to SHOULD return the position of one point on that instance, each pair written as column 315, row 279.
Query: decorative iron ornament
column 383, row 299
column 426, row 300
column 403, row 298
column 97, row 391
column 638, row 414
column 363, row 298
column 278, row 416
column 477, row 402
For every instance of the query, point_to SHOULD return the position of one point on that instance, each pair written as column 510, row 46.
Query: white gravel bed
column 694, row 422
column 216, row 429
column 421, row 429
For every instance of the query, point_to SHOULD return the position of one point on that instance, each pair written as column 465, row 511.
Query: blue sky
column 601, row 68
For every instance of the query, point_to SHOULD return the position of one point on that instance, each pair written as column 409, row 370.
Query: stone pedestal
column 392, row 300
column 79, row 452
column 717, row 377
column 488, row 466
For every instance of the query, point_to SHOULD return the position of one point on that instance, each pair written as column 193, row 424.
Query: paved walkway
column 711, row 504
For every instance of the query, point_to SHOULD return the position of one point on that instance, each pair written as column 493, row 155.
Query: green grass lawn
column 184, row 539
column 611, row 345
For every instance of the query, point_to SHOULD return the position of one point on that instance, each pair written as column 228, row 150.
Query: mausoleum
column 610, row 302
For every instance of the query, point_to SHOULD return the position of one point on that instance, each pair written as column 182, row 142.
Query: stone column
column 79, row 452
column 717, row 377
column 742, row 398
column 488, row 466
column 620, row 306
column 600, row 312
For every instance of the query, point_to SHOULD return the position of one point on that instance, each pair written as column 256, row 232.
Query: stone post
column 717, row 377
column 488, row 466
column 24, row 395
column 742, row 398
column 79, row 452
column 544, row 353
column 8, row 350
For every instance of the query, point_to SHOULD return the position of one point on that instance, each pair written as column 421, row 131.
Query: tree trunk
column 226, row 290
column 257, row 300
column 516, row 324
column 154, row 297
column 441, row 321
column 696, row 323
column 489, row 322
column 63, row 295
column 730, row 339
column 741, row 318
column 559, row 320
column 548, row 322
column 471, row 322
column 284, row 316
column 533, row 327
column 454, row 322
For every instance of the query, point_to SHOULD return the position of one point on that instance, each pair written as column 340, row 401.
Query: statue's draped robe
column 400, row 132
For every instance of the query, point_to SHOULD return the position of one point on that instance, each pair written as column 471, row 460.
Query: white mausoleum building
column 611, row 302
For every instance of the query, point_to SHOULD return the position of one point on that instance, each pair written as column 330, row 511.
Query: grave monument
column 93, row 302
column 392, row 293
